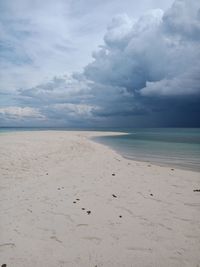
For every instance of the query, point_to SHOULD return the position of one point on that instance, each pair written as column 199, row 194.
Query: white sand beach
column 68, row 201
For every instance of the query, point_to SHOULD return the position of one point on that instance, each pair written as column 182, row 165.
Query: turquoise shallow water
column 173, row 147
column 179, row 147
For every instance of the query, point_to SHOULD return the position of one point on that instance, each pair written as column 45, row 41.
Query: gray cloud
column 42, row 39
column 156, row 51
column 146, row 73
column 183, row 20
column 186, row 84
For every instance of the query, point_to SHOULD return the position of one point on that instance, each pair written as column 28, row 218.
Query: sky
column 100, row 63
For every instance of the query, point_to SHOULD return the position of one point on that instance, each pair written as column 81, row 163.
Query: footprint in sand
column 139, row 249
column 12, row 245
column 81, row 224
column 56, row 239
column 93, row 238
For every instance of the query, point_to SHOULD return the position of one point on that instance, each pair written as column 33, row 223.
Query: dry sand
column 141, row 215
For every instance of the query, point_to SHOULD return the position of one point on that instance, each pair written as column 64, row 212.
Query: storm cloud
column 146, row 72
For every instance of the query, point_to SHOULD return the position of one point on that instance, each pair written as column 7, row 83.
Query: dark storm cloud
column 158, row 54
column 156, row 59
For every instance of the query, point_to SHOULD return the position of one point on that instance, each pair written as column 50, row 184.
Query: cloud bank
column 146, row 73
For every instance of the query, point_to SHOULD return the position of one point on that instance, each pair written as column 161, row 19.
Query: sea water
column 179, row 147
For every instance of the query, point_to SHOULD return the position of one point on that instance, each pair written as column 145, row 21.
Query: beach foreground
column 68, row 201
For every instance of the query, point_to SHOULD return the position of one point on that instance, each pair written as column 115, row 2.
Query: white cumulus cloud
column 21, row 113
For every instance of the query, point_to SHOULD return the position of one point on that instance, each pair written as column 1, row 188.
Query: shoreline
column 67, row 200
column 159, row 164
column 109, row 133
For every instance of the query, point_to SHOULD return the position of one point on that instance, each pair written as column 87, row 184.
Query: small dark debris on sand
column 83, row 208
column 113, row 174
column 4, row 265
column 88, row 212
column 120, row 216
column 47, row 173
column 78, row 199
column 196, row 190
column 74, row 202
column 151, row 195
column 114, row 195
column 30, row 210
column 58, row 188
column 172, row 169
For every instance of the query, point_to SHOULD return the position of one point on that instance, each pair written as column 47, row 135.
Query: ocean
column 178, row 147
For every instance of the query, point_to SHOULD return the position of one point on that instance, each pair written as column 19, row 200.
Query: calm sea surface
column 176, row 147
column 179, row 147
